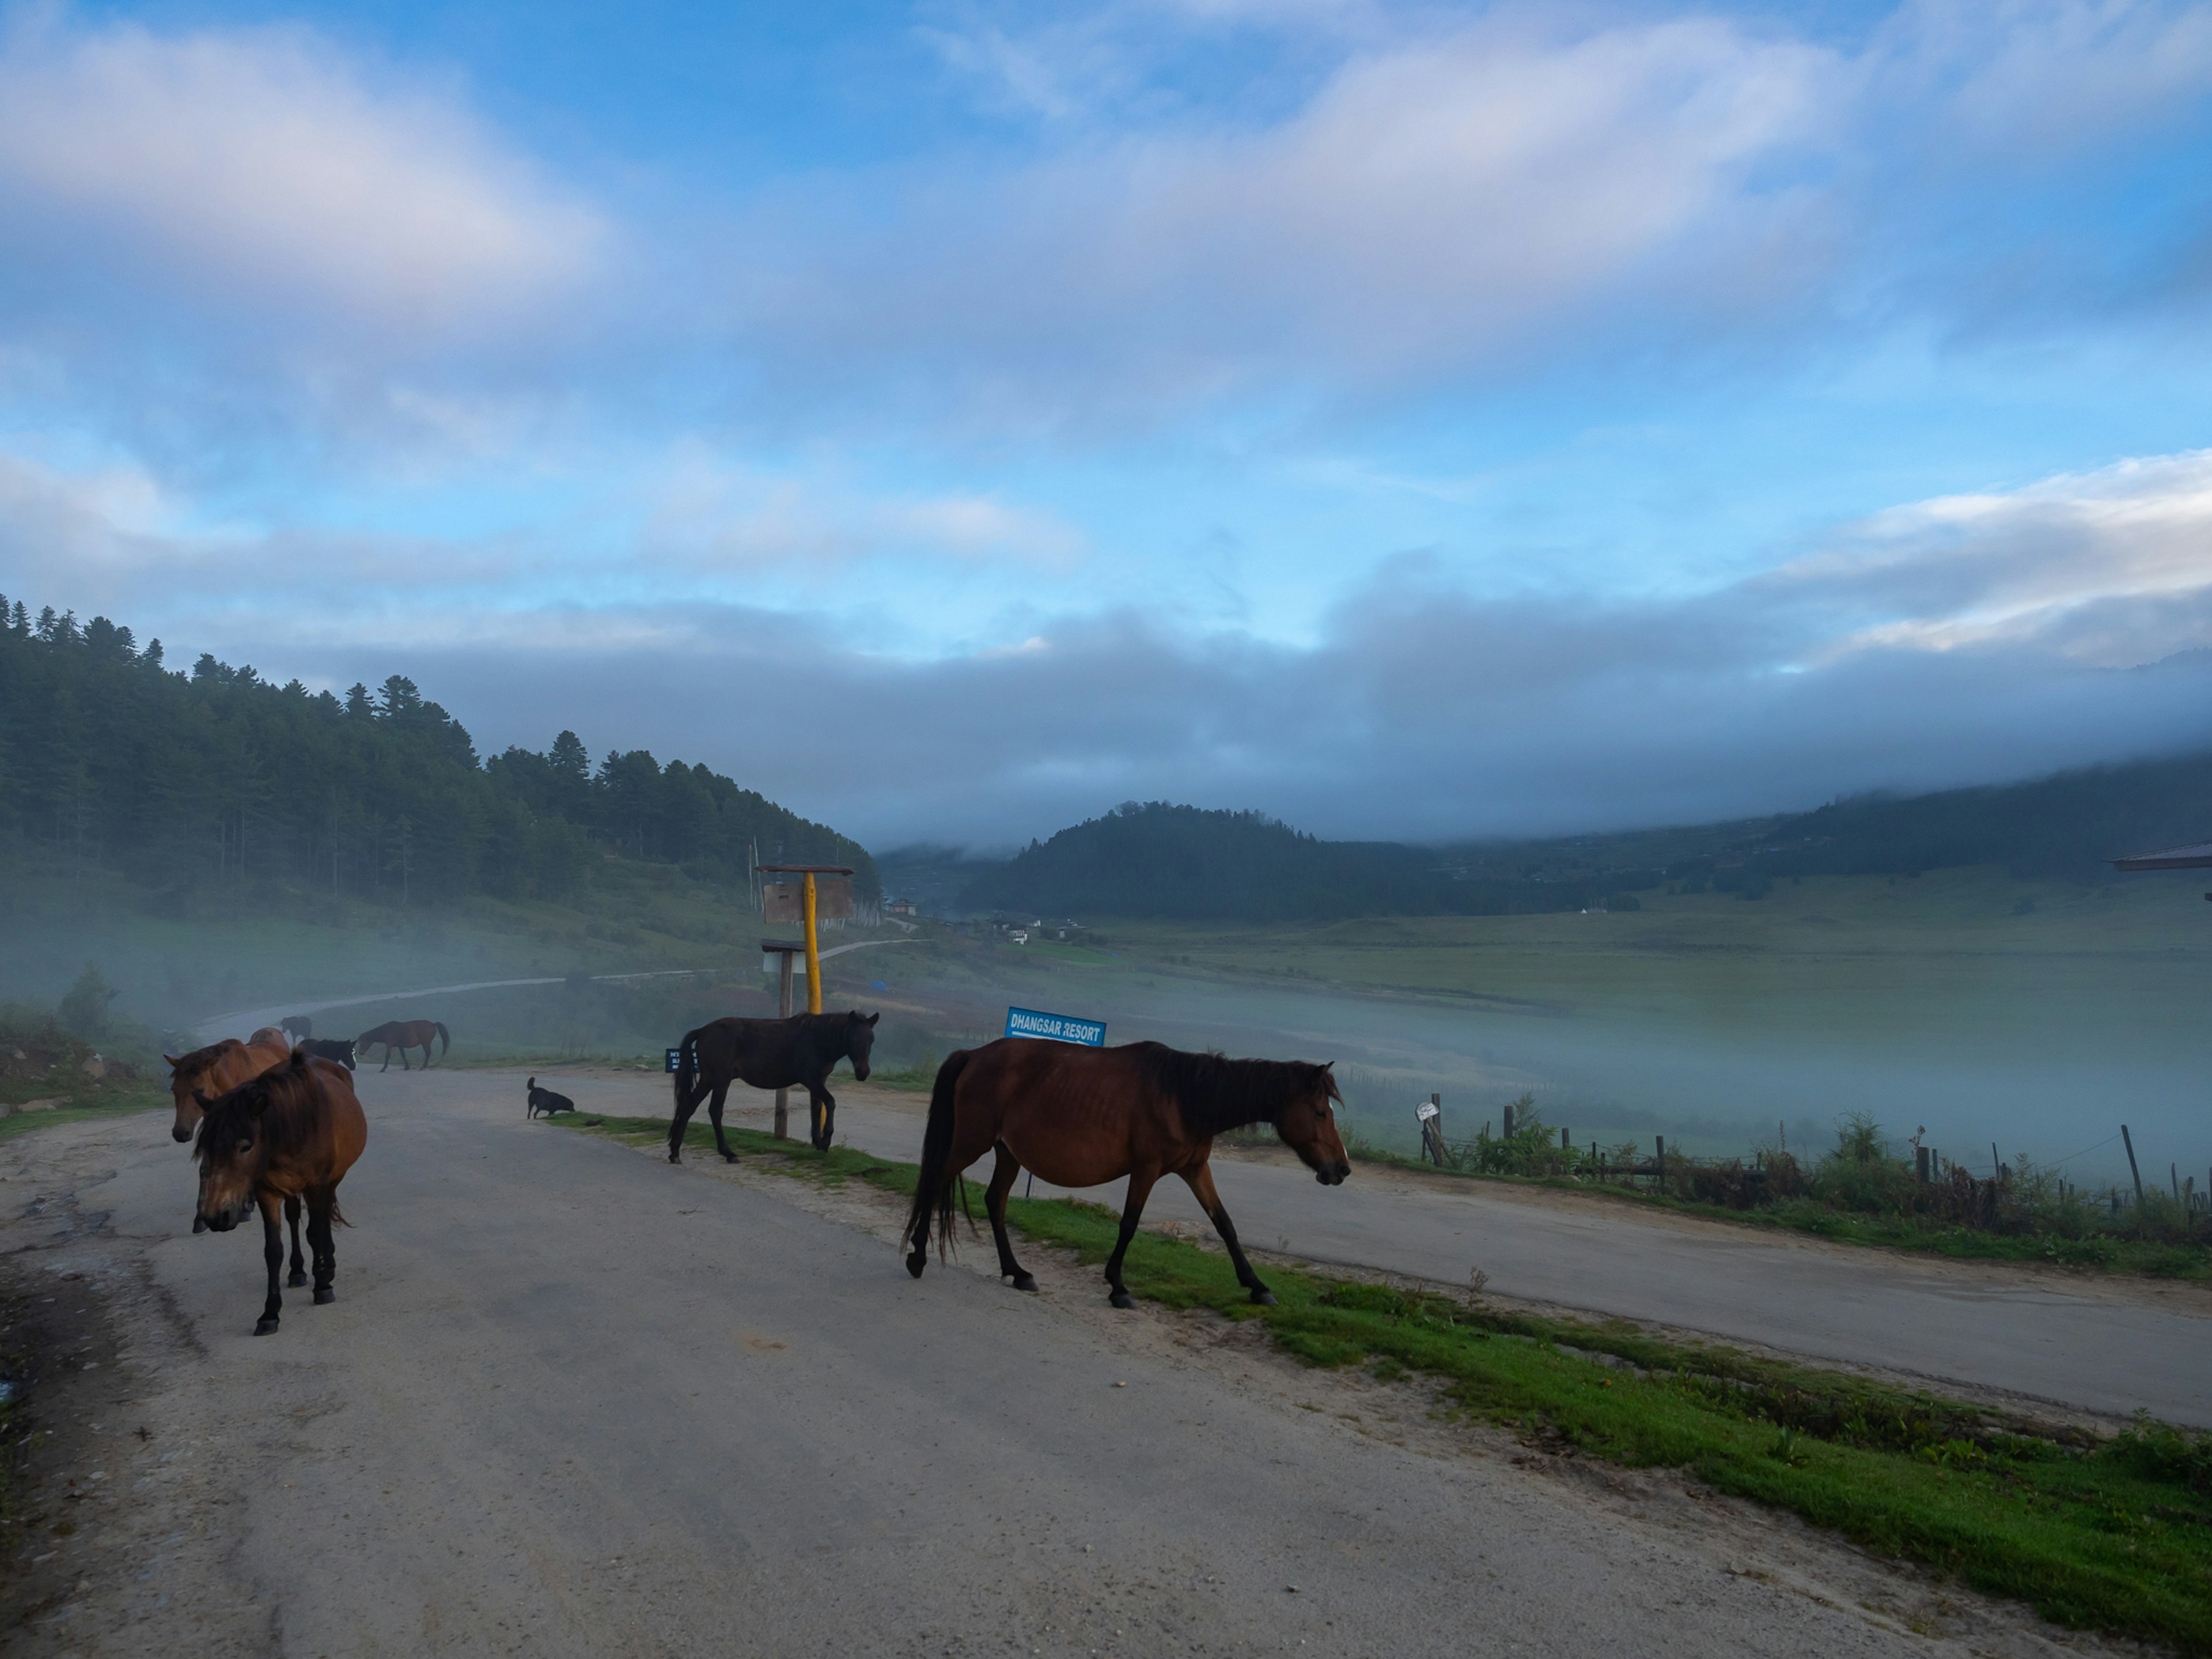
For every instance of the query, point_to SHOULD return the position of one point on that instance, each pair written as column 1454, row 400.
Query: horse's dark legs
column 689, row 1103
column 821, row 1108
column 1201, row 1182
column 406, row 1063
column 272, row 1252
column 994, row 1201
column 714, row 1112
column 298, row 1275
column 1140, row 1188
column 388, row 1059
column 320, row 1203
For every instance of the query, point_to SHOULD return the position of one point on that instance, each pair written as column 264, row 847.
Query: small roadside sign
column 1055, row 1028
column 671, row 1063
column 1425, row 1110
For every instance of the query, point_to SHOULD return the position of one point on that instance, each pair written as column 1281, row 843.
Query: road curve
column 572, row 1401
column 2110, row 1346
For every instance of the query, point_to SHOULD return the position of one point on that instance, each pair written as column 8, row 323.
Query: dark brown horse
column 298, row 1027
column 217, row 1068
column 288, row 1134
column 1080, row 1117
column 769, row 1053
column 403, row 1035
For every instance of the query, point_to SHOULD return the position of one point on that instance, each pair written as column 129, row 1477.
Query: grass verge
column 2113, row 1536
column 2103, row 1252
column 119, row 1104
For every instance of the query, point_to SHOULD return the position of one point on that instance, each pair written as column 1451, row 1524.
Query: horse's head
column 186, row 1076
column 1308, row 1126
column 230, row 1153
column 859, row 1040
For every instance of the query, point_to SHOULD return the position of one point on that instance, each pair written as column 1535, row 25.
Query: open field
column 572, row 1400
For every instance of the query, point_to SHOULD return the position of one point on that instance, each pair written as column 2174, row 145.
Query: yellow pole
column 813, row 953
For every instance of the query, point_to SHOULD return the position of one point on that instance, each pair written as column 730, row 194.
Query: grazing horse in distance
column 298, row 1027
column 1080, row 1117
column 288, row 1134
column 403, row 1035
column 546, row 1101
column 769, row 1053
column 338, row 1050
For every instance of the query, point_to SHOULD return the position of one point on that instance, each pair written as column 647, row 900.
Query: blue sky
column 1414, row 421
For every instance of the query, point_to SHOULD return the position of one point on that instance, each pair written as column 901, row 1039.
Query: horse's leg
column 994, row 1201
column 298, row 1275
column 406, row 1063
column 272, row 1252
column 689, row 1104
column 388, row 1059
column 1201, row 1182
column 821, row 1107
column 320, row 1203
column 714, row 1112
column 1140, row 1188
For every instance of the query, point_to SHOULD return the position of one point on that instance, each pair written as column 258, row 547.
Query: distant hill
column 220, row 779
column 1158, row 860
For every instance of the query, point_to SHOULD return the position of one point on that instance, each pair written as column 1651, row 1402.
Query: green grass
column 2114, row 1536
column 2103, row 1253
column 120, row 1104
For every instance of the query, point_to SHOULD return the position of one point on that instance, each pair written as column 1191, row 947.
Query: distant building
column 901, row 908
column 1020, row 935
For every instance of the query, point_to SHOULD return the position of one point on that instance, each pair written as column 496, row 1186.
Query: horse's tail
column 338, row 1216
column 687, row 1068
column 933, row 1190
column 445, row 1042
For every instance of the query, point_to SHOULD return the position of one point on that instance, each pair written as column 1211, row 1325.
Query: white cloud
column 261, row 165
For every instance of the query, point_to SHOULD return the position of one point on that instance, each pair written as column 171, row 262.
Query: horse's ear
column 171, row 1062
column 874, row 1018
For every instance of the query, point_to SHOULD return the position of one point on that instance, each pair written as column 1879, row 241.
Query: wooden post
column 813, row 951
column 1920, row 1159
column 1659, row 1166
column 2129, row 1141
column 783, row 1011
column 1432, row 1133
column 1509, row 1123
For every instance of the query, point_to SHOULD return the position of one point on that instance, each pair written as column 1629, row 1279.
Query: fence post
column 1509, row 1123
column 1920, row 1157
column 1659, row 1166
column 2129, row 1141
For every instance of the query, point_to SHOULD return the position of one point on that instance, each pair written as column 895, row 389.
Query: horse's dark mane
column 287, row 1123
column 199, row 1060
column 1218, row 1093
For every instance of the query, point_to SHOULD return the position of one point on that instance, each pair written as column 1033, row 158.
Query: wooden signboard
column 782, row 901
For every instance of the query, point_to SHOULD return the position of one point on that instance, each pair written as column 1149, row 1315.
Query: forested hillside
column 217, row 776
column 1159, row 860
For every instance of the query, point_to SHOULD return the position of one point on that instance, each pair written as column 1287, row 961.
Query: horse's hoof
column 1122, row 1299
column 916, row 1262
column 729, row 1158
column 325, row 1297
column 675, row 1156
column 267, row 1326
column 1025, row 1281
column 297, row 1278
column 1263, row 1298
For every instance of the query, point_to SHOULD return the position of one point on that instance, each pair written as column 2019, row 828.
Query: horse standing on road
column 298, row 1027
column 769, row 1053
column 288, row 1134
column 221, row 1067
column 1080, row 1117
column 403, row 1035
column 338, row 1050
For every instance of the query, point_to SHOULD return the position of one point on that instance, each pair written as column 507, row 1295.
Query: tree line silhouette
column 217, row 776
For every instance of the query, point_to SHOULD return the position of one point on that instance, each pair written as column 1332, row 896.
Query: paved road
column 572, row 1401
column 2111, row 1348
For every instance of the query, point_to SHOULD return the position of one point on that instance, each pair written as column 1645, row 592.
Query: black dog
column 337, row 1049
column 546, row 1101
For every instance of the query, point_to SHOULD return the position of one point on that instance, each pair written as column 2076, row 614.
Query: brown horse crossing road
column 573, row 1400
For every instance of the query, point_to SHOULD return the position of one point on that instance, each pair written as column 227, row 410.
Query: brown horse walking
column 217, row 1068
column 1083, row 1117
column 403, row 1035
column 288, row 1134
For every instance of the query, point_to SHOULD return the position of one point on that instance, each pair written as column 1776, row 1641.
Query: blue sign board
column 1055, row 1028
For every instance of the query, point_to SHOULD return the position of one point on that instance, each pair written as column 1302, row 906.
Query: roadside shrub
column 1863, row 1173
